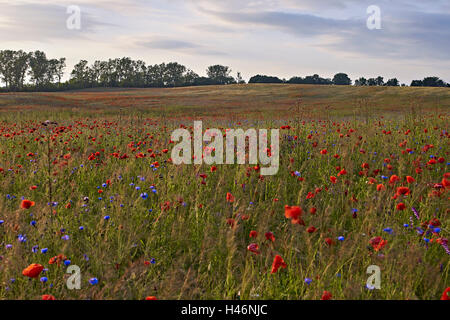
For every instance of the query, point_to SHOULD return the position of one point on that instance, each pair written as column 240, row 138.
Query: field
column 363, row 181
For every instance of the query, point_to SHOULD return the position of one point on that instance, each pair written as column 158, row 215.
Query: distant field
column 252, row 100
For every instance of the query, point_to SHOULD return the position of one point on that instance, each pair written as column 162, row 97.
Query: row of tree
column 343, row 79
column 22, row 71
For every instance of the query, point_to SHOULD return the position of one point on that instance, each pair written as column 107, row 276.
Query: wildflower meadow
column 93, row 207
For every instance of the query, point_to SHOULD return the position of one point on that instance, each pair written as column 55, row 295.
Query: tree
column 59, row 69
column 174, row 74
column 392, row 82
column 361, row 82
column 190, row 77
column 341, row 79
column 433, row 82
column 19, row 69
column 80, row 74
column 220, row 74
column 6, row 67
column 372, row 82
column 239, row 79
column 264, row 79
column 379, row 81
column 38, row 68
column 417, row 83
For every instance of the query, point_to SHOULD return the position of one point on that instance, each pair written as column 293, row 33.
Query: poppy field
column 87, row 181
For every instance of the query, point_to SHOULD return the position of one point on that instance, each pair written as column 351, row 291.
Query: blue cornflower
column 44, row 250
column 388, row 230
column 341, row 238
column 66, row 237
column 93, row 281
column 44, row 279
column 106, row 217
column 144, row 195
column 67, row 262
column 33, row 223
column 308, row 280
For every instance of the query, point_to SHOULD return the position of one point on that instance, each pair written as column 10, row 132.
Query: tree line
column 33, row 71
column 343, row 79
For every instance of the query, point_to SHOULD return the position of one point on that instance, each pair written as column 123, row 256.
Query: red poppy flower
column 48, row 297
column 410, row 179
column 403, row 191
column 33, row 270
column 401, row 206
column 393, row 179
column 329, row 241
column 342, row 172
column 446, row 294
column 230, row 197
column 253, row 234
column 151, row 298
column 57, row 259
column 313, row 211
column 277, row 263
column 377, row 243
column 380, row 187
column 231, row 222
column 270, row 236
column 310, row 195
column 293, row 212
column 333, row 179
column 253, row 247
column 446, row 182
column 27, row 204
column 311, row 229
column 326, row 295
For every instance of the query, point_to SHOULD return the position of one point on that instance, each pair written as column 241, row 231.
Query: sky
column 282, row 38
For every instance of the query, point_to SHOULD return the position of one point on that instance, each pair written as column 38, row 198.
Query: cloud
column 186, row 47
column 408, row 35
column 167, row 44
column 41, row 22
column 282, row 36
